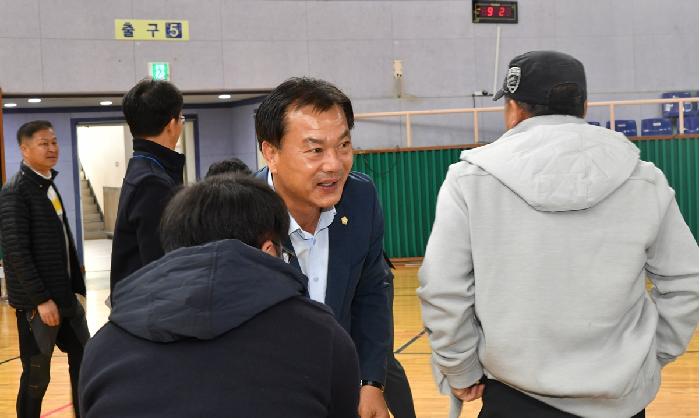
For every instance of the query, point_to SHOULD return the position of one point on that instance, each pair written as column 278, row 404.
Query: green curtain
column 408, row 183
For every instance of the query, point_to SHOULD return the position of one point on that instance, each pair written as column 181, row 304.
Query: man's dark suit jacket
column 357, row 273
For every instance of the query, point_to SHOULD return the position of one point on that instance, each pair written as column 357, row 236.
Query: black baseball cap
column 532, row 76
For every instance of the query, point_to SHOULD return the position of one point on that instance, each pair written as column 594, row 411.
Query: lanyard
column 147, row 157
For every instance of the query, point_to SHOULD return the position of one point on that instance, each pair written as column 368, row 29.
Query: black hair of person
column 564, row 99
column 28, row 129
column 150, row 105
column 295, row 93
column 224, row 206
column 231, row 165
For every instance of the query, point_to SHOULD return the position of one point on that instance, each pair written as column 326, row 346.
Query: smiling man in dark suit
column 336, row 222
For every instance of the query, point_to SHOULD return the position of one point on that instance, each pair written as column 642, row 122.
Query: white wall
column 185, row 145
column 101, row 153
column 631, row 49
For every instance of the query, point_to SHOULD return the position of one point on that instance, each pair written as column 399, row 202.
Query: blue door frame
column 74, row 122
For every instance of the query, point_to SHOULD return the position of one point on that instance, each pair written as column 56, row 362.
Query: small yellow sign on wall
column 151, row 30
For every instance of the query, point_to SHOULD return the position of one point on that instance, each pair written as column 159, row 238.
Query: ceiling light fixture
column 224, row 96
column 34, row 100
column 105, row 103
column 10, row 104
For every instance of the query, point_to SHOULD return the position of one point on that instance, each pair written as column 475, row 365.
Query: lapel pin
column 344, row 220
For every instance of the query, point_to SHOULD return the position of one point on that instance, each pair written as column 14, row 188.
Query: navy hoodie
column 219, row 330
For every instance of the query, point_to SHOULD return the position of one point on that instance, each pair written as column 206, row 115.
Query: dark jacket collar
column 30, row 174
column 202, row 292
column 172, row 161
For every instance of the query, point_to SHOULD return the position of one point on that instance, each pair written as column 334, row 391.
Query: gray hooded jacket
column 535, row 269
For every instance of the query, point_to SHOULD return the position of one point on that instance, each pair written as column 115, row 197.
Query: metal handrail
column 476, row 110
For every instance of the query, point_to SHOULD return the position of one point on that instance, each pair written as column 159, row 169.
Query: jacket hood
column 558, row 163
column 202, row 292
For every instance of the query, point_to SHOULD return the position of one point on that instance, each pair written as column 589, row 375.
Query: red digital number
column 489, row 11
column 501, row 11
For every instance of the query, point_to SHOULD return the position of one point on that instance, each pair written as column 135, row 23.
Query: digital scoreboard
column 494, row 11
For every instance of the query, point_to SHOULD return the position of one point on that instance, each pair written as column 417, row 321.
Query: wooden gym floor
column 678, row 397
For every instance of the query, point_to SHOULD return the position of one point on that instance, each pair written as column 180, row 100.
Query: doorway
column 103, row 150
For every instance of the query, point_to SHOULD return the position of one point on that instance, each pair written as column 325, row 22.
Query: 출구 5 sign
column 151, row 30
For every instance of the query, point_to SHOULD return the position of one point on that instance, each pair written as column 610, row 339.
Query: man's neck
column 163, row 140
column 45, row 173
column 306, row 217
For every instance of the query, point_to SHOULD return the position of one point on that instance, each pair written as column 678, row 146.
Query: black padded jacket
column 36, row 261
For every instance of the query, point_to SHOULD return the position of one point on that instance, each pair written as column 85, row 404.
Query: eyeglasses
column 182, row 118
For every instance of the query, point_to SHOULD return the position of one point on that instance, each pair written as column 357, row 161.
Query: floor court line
column 409, row 342
column 53, row 411
column 9, row 360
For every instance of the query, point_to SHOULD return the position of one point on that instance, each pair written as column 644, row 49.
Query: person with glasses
column 220, row 326
column 153, row 111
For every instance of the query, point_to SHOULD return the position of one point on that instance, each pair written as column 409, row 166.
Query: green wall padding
column 408, row 183
column 678, row 159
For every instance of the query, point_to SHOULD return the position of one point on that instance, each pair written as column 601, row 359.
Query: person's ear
column 271, row 154
column 269, row 247
column 515, row 114
column 24, row 147
column 173, row 131
column 174, row 124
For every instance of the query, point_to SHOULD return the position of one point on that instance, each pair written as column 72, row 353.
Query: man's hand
column 469, row 394
column 48, row 312
column 372, row 404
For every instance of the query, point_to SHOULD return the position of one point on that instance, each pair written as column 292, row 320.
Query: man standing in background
column 153, row 111
column 44, row 277
column 229, row 166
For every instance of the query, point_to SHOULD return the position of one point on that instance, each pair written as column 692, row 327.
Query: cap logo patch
column 513, row 79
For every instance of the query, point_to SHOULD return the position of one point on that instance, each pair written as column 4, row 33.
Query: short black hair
column 564, row 99
column 231, row 165
column 150, row 105
column 297, row 92
column 225, row 206
column 28, row 129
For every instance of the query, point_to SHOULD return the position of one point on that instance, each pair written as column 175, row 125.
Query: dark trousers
column 502, row 401
column 36, row 366
column 397, row 391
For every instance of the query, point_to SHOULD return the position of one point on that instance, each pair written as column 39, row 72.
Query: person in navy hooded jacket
column 221, row 325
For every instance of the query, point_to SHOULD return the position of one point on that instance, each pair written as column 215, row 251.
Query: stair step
column 89, row 208
column 91, row 217
column 94, row 226
column 95, row 235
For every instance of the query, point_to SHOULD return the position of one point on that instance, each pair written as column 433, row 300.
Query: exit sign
column 159, row 70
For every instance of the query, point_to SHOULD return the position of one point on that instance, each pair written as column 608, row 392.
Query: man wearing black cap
column 543, row 290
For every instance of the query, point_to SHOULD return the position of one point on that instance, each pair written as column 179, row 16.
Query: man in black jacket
column 153, row 110
column 42, row 268
column 220, row 326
